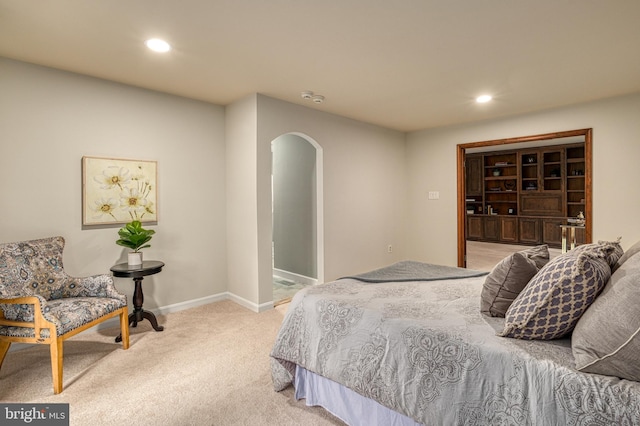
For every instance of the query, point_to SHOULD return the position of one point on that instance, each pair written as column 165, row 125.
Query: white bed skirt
column 347, row 405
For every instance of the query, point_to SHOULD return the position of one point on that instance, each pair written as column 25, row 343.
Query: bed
column 414, row 348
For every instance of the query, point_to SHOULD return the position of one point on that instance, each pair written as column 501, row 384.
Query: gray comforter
column 409, row 270
column 424, row 350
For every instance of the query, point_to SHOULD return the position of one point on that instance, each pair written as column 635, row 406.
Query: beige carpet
column 210, row 366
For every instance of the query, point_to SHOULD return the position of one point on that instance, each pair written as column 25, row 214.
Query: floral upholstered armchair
column 41, row 304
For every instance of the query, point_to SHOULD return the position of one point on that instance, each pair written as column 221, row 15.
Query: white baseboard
column 181, row 306
column 250, row 305
column 176, row 307
column 292, row 276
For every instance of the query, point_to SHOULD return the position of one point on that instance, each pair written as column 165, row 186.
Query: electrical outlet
column 434, row 195
column 389, row 248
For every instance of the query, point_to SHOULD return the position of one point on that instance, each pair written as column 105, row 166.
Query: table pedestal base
column 138, row 313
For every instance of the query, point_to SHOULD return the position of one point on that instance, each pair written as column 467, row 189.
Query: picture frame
column 117, row 191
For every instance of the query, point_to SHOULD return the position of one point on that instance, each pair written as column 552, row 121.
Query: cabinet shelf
column 509, row 177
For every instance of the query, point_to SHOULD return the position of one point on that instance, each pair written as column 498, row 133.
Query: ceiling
column 405, row 64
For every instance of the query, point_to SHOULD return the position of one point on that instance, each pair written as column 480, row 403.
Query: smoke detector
column 310, row 96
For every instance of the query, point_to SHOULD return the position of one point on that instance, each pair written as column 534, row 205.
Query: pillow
column 613, row 250
column 554, row 300
column 627, row 254
column 606, row 340
column 539, row 254
column 509, row 277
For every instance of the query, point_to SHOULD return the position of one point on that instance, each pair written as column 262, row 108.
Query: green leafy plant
column 134, row 236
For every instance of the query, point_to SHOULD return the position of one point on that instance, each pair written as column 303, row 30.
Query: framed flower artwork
column 118, row 191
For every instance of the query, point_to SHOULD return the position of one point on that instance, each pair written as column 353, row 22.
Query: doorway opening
column 297, row 211
column 473, row 217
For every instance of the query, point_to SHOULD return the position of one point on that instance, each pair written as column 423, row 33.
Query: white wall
column 214, row 165
column 49, row 119
column 431, row 166
column 363, row 185
column 214, row 199
column 364, row 181
column 241, row 205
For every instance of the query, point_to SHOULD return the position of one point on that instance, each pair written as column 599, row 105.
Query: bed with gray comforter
column 423, row 349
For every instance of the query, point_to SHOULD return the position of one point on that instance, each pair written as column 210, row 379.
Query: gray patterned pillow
column 509, row 277
column 606, row 340
column 613, row 250
column 554, row 300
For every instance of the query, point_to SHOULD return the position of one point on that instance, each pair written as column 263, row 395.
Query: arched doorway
column 297, row 242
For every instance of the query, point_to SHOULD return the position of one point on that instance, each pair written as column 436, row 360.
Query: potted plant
column 134, row 237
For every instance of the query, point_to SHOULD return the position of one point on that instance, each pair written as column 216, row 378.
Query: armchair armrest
column 22, row 309
column 27, row 311
column 100, row 285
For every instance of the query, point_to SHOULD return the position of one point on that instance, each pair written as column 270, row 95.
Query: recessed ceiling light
column 158, row 45
column 483, row 99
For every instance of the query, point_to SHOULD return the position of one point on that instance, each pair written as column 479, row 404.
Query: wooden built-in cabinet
column 522, row 196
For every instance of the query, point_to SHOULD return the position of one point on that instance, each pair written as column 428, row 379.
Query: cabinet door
column 551, row 232
column 474, row 227
column 542, row 204
column 491, row 228
column 509, row 229
column 529, row 230
column 474, row 174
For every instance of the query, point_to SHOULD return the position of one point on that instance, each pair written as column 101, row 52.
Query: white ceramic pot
column 134, row 258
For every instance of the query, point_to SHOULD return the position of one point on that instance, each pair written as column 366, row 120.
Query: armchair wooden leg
column 56, row 364
column 124, row 328
column 4, row 348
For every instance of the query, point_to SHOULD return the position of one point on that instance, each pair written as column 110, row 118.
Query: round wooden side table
column 138, row 272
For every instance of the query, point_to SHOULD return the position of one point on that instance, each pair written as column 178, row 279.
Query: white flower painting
column 118, row 191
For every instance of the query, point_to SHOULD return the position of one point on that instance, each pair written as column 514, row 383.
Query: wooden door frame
column 461, row 152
